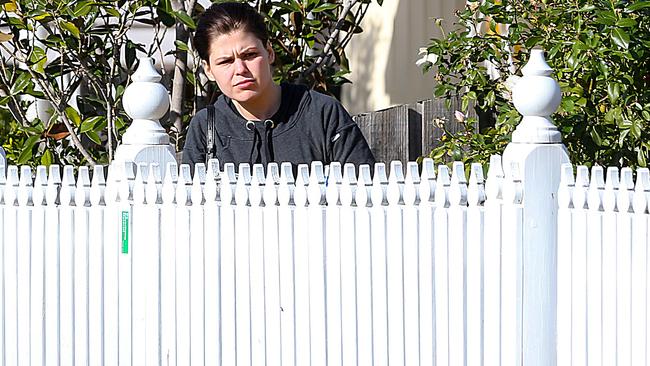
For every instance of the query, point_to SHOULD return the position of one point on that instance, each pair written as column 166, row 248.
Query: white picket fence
column 409, row 269
column 603, row 264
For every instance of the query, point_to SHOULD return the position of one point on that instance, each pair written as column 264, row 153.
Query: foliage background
column 64, row 66
column 600, row 51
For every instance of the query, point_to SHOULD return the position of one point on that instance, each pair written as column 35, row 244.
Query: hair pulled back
column 225, row 18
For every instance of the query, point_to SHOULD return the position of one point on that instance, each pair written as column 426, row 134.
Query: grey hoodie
column 308, row 126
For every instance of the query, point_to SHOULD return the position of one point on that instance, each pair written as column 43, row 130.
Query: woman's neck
column 263, row 107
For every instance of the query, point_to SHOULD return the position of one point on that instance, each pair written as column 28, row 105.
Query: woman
column 256, row 120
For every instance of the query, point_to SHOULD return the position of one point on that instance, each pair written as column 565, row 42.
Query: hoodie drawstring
column 257, row 141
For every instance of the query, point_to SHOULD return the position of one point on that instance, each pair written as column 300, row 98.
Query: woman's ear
column 207, row 70
column 269, row 49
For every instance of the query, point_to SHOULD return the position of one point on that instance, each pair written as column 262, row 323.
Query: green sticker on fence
column 125, row 232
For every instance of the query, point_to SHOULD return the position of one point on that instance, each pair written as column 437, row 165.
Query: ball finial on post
column 146, row 101
column 536, row 96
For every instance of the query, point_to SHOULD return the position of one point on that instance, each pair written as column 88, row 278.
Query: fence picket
column 411, row 248
column 257, row 252
column 273, row 310
column 511, row 270
column 37, row 268
column 333, row 264
column 579, row 268
column 80, row 270
column 426, row 268
column 184, row 237
column 594, row 268
column 609, row 267
column 623, row 268
column 66, row 267
column 24, row 241
column 441, row 274
column 212, row 274
column 286, row 215
column 457, row 236
column 474, row 255
column 52, row 315
column 95, row 268
column 11, row 268
column 639, row 267
column 492, row 263
column 168, row 265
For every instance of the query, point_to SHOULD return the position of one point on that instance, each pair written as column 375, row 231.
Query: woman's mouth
column 244, row 84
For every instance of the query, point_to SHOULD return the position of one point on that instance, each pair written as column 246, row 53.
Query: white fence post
column 538, row 150
column 146, row 101
column 3, row 160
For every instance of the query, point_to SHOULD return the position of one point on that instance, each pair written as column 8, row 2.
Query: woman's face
column 241, row 66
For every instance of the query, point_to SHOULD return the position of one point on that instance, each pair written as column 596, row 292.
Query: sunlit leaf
column 6, row 37
column 621, row 38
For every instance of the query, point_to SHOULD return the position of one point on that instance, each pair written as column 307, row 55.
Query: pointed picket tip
column 40, row 186
column 380, row 186
column 364, row 187
column 98, row 186
column 625, row 190
column 168, row 189
column 287, row 185
column 641, row 191
column 513, row 191
column 212, row 182
column 242, row 188
column 68, row 188
column 11, row 188
column 26, row 186
column 567, row 183
column 184, row 186
column 495, row 177
column 258, row 182
column 411, row 191
column 228, row 184
column 395, row 189
column 82, row 196
column 316, row 189
column 458, row 185
column 442, row 187
column 349, row 185
column 271, row 184
column 302, row 182
column 611, row 189
column 53, row 186
column 154, row 185
column 476, row 188
column 139, row 184
column 580, row 191
column 428, row 181
column 596, row 189
column 334, row 181
column 198, row 184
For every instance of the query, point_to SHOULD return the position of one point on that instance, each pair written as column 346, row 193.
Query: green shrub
column 599, row 50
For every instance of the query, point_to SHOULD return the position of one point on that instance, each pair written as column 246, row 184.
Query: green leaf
column 27, row 151
column 21, row 83
column 620, row 38
column 613, row 91
column 73, row 115
column 637, row 5
column 641, row 157
column 182, row 46
column 635, row 130
column 94, row 137
column 626, row 23
column 325, row 7
column 185, row 19
column 92, row 124
column 70, row 27
column 595, row 136
column 47, row 158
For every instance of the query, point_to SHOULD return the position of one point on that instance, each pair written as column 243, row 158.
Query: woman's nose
column 240, row 66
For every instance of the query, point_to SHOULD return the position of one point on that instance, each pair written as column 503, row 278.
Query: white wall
column 383, row 57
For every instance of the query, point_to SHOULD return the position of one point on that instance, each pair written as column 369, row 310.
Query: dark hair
column 225, row 18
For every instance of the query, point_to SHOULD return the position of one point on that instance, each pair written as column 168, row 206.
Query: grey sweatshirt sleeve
column 346, row 142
